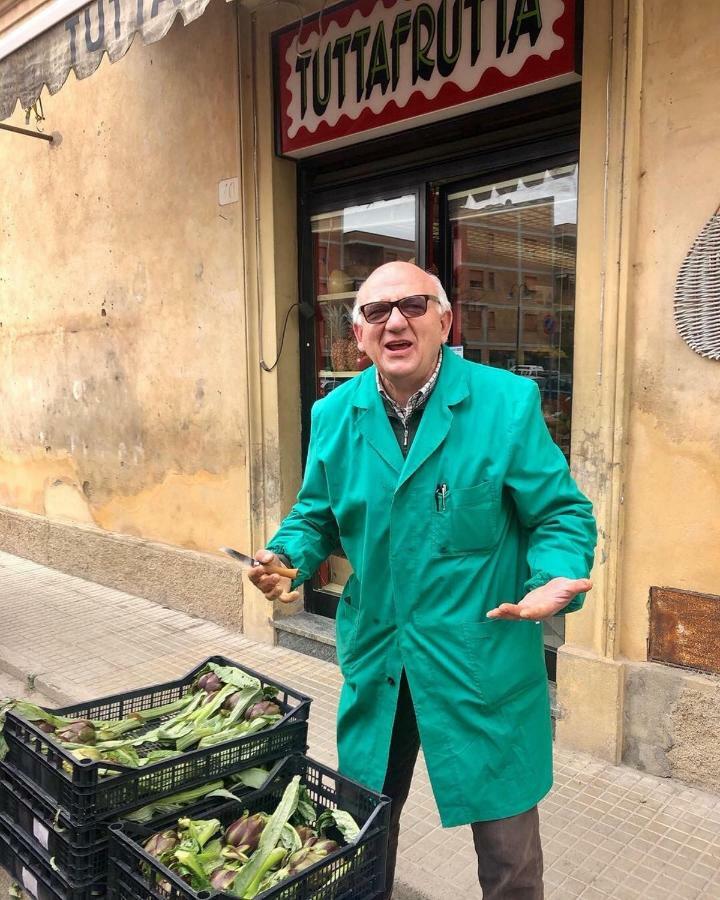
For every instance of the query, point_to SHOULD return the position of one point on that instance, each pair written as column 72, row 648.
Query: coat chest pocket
column 468, row 523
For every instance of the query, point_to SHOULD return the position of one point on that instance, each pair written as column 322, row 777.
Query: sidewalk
column 608, row 831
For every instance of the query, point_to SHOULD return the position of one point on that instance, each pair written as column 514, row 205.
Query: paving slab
column 608, row 831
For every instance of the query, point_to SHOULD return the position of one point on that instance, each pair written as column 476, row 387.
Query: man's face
column 404, row 350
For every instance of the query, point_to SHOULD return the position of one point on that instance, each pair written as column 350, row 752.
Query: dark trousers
column 510, row 862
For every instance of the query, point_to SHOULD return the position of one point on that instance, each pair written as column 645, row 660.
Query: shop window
column 513, row 246
column 348, row 244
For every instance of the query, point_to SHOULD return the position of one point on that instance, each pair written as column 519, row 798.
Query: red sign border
column 564, row 62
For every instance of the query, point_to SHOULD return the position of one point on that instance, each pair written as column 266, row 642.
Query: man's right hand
column 275, row 587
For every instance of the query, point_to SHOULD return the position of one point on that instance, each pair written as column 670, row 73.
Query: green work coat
column 426, row 574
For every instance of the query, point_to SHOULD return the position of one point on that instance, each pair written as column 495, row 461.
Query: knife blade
column 249, row 561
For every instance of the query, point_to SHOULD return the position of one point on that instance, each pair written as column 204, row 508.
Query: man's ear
column 446, row 320
column 357, row 331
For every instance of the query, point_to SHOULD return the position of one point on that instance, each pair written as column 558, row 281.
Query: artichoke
column 308, row 856
column 235, row 854
column 325, row 845
column 263, row 708
column 245, row 832
column 306, row 834
column 222, row 879
column 161, row 843
column 80, row 732
column 232, row 701
column 209, row 682
column 45, row 726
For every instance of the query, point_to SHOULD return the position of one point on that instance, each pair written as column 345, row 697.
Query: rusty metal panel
column 685, row 629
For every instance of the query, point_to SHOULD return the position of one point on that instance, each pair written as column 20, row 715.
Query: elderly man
column 464, row 530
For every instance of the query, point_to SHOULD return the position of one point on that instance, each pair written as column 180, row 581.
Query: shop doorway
column 501, row 237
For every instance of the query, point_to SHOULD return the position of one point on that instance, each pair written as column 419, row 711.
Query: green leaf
column 155, row 712
column 290, row 839
column 32, row 712
column 247, row 882
column 248, row 696
column 274, row 878
column 345, row 823
column 222, row 792
column 171, row 804
column 306, row 814
column 253, row 778
column 198, row 832
column 269, row 861
column 126, row 756
column 156, row 755
column 342, row 820
column 207, row 710
column 195, row 864
column 235, row 676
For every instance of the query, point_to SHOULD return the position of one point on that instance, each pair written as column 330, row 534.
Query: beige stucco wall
column 122, row 345
column 658, row 140
column 646, row 431
column 672, row 493
column 135, row 309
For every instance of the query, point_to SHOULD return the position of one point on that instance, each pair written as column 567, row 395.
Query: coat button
column 391, row 681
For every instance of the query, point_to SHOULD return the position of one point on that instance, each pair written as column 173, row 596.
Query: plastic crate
column 79, row 853
column 86, row 796
column 354, row 872
column 35, row 873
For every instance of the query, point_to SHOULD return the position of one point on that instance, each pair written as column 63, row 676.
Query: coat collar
column 372, row 419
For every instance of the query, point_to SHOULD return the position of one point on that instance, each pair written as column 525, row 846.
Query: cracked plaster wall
column 122, row 323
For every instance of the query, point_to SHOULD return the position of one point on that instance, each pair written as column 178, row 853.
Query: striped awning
column 78, row 42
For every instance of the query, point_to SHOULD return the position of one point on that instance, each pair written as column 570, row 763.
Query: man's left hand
column 544, row 602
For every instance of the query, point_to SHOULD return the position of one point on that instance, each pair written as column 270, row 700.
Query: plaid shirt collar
column 418, row 399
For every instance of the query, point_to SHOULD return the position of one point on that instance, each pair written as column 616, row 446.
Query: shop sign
column 368, row 68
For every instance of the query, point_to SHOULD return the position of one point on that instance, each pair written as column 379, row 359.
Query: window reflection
column 513, row 282
column 348, row 244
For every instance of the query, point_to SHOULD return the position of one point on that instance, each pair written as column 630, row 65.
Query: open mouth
column 397, row 346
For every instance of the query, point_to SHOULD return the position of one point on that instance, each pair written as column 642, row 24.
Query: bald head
column 398, row 279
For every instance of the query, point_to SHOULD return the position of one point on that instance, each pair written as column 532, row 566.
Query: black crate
column 358, row 869
column 34, row 871
column 86, row 796
column 79, row 853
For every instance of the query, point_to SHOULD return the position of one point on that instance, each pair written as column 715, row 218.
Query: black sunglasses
column 411, row 307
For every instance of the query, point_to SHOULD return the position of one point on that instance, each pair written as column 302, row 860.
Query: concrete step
column 308, row 633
